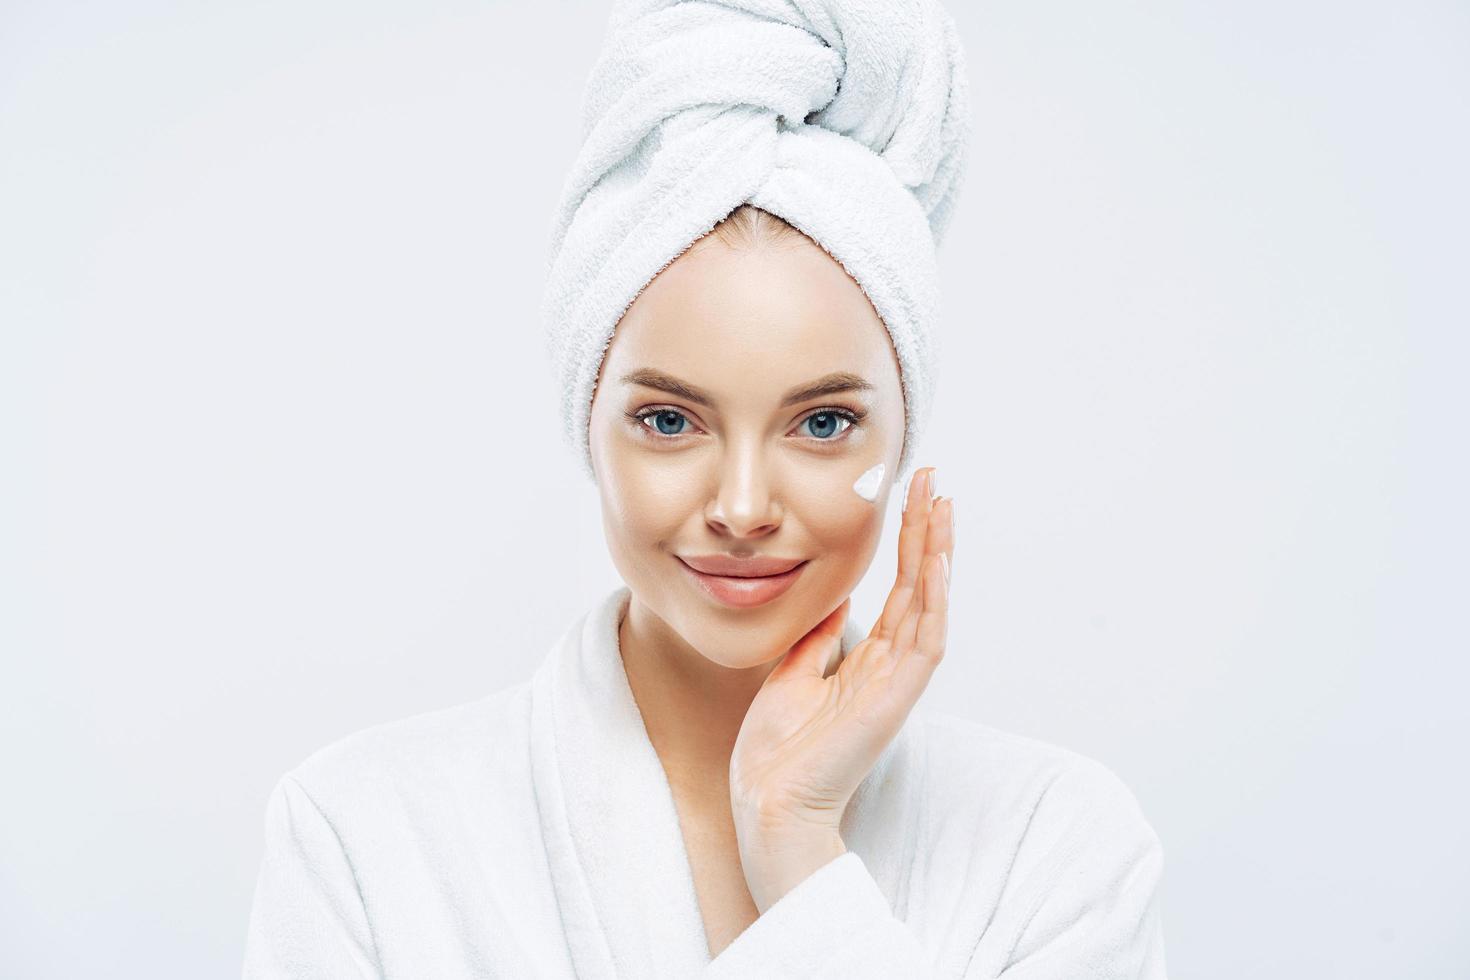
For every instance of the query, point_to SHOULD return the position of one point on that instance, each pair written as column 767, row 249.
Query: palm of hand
column 808, row 741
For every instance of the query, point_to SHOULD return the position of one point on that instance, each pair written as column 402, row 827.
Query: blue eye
column 830, row 419
column 661, row 416
column 668, row 423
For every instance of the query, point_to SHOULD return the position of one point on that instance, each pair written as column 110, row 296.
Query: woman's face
column 728, row 465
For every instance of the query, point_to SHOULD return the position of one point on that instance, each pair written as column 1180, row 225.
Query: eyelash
column 855, row 419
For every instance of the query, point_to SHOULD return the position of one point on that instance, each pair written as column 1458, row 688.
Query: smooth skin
column 748, row 731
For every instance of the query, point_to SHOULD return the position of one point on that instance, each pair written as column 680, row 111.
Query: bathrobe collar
column 619, row 866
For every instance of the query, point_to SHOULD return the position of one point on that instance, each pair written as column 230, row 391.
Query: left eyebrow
column 831, row 384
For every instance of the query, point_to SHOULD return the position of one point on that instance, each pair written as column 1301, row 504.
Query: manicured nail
column 933, row 481
column 944, row 560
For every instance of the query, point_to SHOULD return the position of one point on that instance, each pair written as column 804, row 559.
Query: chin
column 743, row 657
column 742, row 639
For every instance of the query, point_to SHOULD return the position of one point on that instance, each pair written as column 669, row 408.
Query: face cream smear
column 866, row 486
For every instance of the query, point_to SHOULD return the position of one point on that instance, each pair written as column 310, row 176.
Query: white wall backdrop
column 280, row 459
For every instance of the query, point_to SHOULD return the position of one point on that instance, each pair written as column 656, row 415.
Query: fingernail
column 933, row 481
column 944, row 559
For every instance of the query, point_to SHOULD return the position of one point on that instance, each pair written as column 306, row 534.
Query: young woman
column 717, row 772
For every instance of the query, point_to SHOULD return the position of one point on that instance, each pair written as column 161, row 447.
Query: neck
column 692, row 707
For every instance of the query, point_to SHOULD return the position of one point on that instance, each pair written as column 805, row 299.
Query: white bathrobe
column 532, row 833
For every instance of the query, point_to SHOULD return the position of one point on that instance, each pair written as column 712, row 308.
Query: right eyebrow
column 651, row 378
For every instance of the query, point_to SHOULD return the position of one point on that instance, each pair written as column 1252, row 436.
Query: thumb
column 812, row 653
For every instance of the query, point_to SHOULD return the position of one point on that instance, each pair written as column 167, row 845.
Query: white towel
column 849, row 119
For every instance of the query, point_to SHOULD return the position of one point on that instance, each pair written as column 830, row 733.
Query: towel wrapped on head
column 848, row 119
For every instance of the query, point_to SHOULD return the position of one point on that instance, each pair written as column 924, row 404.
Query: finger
column 941, row 530
column 911, row 540
column 916, row 665
column 913, row 530
column 811, row 654
column 934, row 620
column 938, row 540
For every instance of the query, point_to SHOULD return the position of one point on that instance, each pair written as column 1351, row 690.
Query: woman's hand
column 808, row 741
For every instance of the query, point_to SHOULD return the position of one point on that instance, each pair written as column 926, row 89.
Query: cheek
column 632, row 502
column 840, row 521
column 642, row 512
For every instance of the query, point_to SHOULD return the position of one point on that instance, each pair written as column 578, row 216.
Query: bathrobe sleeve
column 307, row 919
column 1085, row 908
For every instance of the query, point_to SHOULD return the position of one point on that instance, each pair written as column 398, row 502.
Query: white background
column 280, row 457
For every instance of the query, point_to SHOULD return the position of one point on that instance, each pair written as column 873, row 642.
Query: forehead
column 765, row 317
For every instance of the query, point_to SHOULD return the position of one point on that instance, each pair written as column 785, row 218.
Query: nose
column 744, row 505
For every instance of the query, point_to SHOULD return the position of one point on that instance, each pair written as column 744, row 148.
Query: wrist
column 777, row 861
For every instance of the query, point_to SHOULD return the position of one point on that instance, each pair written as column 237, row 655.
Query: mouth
column 741, row 592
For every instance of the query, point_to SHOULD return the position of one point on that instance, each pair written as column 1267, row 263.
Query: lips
column 733, row 567
column 747, row 590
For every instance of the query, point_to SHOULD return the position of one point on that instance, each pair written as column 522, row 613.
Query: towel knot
column 867, row 71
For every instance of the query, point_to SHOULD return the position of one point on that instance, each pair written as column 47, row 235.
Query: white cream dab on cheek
column 866, row 486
